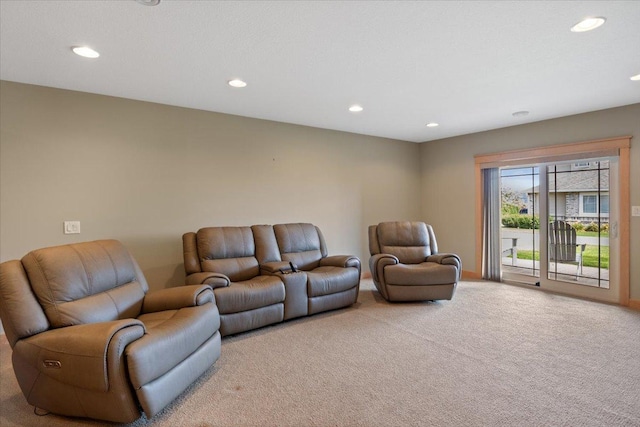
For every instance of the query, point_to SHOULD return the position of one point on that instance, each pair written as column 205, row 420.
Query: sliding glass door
column 582, row 207
column 558, row 226
column 557, row 217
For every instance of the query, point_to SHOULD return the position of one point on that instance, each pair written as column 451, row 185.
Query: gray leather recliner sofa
column 88, row 339
column 406, row 265
column 266, row 274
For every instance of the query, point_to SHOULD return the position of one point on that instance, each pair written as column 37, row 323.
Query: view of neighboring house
column 578, row 192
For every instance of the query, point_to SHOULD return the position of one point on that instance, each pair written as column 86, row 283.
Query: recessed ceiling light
column 356, row 108
column 635, row 78
column 149, row 2
column 85, row 51
column 432, row 125
column 237, row 83
column 588, row 24
column 520, row 113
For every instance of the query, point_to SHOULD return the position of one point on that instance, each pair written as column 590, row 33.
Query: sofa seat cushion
column 258, row 292
column 330, row 280
column 426, row 273
column 171, row 337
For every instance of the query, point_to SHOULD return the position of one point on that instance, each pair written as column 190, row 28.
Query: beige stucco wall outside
column 449, row 164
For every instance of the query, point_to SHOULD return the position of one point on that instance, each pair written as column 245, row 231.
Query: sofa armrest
column 378, row 262
column 275, row 267
column 341, row 261
column 215, row 280
column 444, row 258
column 77, row 355
column 177, row 298
column 447, row 259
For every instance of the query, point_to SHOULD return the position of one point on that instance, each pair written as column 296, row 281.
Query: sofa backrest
column 266, row 244
column 300, row 243
column 85, row 282
column 227, row 250
column 410, row 241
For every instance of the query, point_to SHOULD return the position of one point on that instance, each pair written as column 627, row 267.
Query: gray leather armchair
column 405, row 263
column 89, row 340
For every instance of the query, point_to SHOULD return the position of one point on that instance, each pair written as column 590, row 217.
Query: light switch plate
column 635, row 210
column 71, row 227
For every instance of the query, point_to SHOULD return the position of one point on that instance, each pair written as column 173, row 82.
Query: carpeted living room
column 371, row 213
column 495, row 355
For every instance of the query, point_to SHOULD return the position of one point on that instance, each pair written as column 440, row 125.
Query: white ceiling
column 466, row 65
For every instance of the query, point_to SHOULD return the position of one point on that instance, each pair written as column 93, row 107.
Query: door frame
column 614, row 147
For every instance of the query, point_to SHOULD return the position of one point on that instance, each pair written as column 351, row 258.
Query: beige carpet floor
column 496, row 355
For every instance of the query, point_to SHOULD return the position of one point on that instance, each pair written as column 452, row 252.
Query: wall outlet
column 71, row 227
column 635, row 210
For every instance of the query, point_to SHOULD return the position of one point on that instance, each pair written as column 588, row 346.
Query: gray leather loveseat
column 265, row 274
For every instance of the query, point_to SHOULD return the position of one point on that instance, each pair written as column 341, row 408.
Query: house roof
column 465, row 65
column 575, row 181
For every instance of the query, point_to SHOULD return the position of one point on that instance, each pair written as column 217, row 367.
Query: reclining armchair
column 405, row 263
column 329, row 282
column 226, row 259
column 89, row 340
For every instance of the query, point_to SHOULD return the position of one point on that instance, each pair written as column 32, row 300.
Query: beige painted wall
column 146, row 173
column 449, row 164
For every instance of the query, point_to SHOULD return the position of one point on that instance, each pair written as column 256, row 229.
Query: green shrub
column 524, row 222
column 509, row 209
column 578, row 226
column 509, row 221
column 605, row 227
column 592, row 227
column 536, row 222
column 521, row 221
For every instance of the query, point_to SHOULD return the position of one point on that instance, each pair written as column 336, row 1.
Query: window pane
column 589, row 204
column 604, row 204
